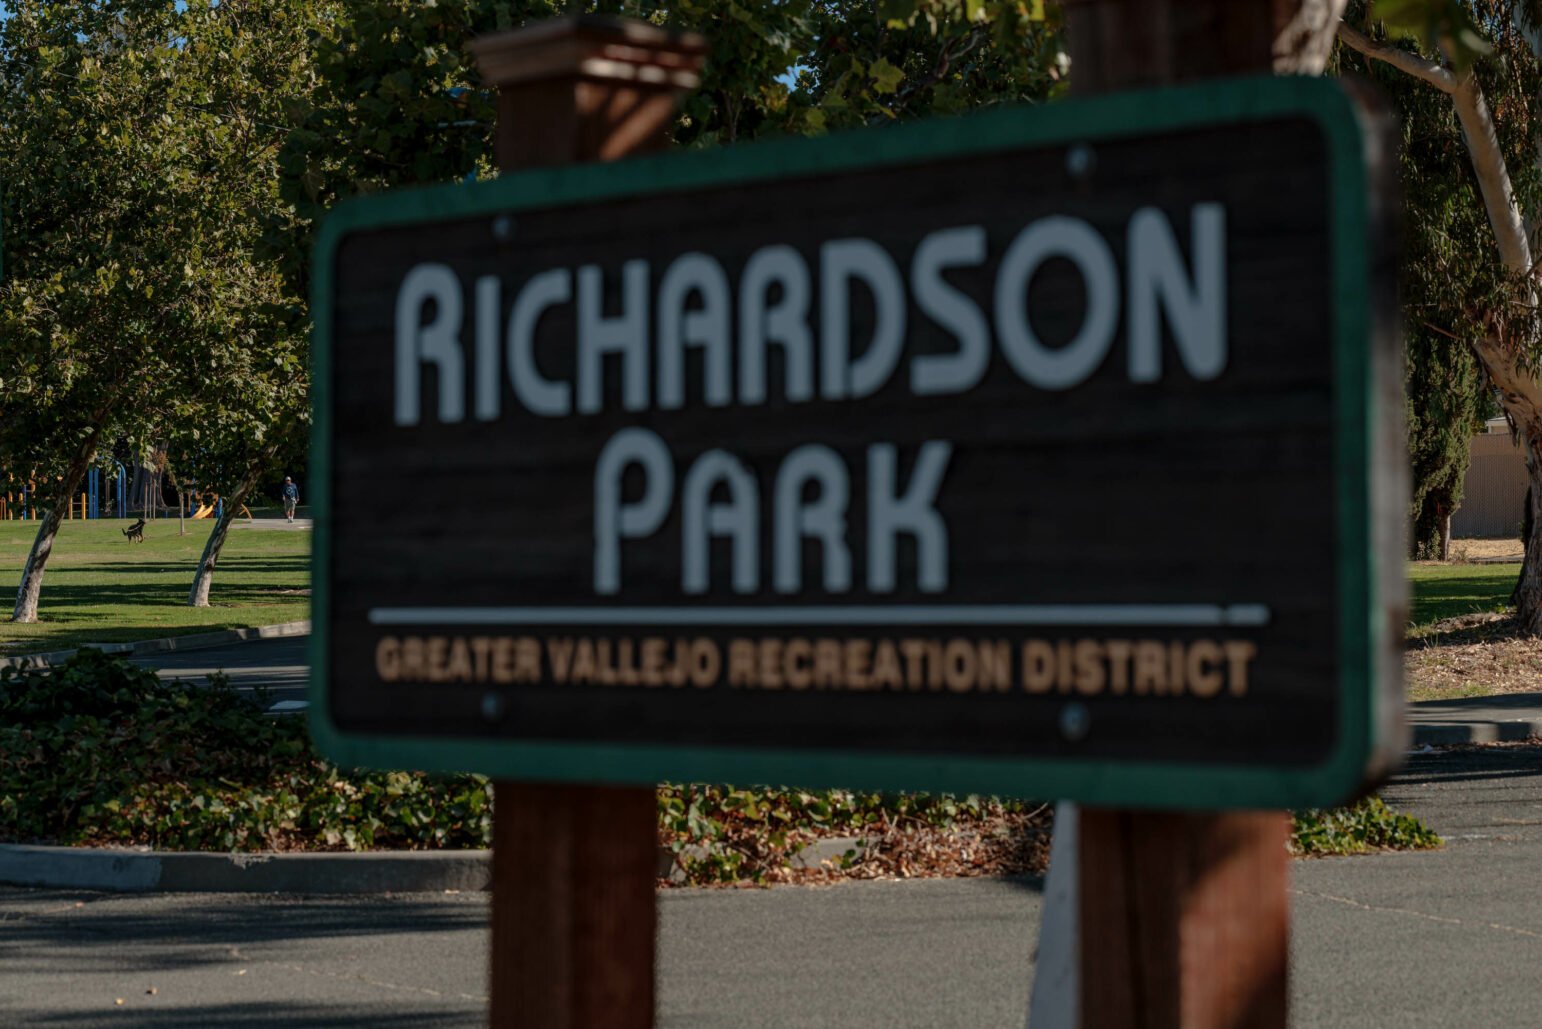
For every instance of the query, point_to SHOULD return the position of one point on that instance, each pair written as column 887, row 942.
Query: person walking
column 291, row 497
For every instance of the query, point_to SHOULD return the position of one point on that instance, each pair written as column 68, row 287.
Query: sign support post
column 1184, row 917
column 574, row 867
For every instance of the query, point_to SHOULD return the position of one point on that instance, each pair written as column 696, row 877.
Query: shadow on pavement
column 1472, row 764
column 125, row 933
column 1498, row 701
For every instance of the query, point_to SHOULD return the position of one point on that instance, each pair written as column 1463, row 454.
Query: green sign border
column 1096, row 782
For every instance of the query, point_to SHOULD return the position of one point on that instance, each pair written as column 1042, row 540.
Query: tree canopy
column 398, row 100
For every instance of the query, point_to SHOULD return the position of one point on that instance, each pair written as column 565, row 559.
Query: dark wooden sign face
column 1028, row 453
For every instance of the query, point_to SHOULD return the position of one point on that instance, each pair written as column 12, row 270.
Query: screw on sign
column 794, row 463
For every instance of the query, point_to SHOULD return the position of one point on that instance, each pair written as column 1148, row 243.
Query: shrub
column 97, row 751
column 1358, row 829
column 724, row 834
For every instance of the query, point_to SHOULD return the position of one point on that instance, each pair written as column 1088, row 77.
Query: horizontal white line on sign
column 874, row 614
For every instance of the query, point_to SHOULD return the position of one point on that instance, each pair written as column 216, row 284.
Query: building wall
column 1494, row 492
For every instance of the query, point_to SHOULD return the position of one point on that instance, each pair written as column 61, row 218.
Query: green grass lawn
column 1445, row 591
column 99, row 588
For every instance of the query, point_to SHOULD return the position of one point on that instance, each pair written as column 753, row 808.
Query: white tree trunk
column 1305, row 43
column 198, row 596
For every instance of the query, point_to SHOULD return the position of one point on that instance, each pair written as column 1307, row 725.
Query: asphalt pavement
column 1447, row 938
column 279, row 666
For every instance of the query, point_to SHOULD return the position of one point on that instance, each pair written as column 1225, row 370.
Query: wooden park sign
column 1034, row 452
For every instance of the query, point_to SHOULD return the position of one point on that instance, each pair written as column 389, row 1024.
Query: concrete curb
column 140, row 870
column 1456, row 733
column 132, row 870
column 192, row 641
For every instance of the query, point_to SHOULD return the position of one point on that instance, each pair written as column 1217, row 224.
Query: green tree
column 242, row 405
column 1444, row 395
column 1444, row 223
column 136, row 189
column 97, row 300
column 861, row 63
column 398, row 100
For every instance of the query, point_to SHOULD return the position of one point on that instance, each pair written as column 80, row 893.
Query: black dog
column 136, row 532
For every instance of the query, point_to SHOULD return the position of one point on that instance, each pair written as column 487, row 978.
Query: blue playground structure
column 100, row 498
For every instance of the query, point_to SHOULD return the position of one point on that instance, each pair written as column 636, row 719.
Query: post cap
column 591, row 47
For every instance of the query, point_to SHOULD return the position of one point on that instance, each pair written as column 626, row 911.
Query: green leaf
column 897, row 14
column 886, row 77
column 1439, row 25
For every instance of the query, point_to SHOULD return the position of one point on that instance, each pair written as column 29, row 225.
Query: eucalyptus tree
column 1479, row 58
column 1443, row 289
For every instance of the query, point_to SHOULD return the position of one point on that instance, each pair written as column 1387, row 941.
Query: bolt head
column 492, row 707
column 1080, row 161
column 1075, row 722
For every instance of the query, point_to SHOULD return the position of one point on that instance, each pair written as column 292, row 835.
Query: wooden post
column 574, row 867
column 1184, row 918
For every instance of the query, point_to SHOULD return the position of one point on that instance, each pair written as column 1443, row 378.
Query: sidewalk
column 280, row 523
column 1506, row 717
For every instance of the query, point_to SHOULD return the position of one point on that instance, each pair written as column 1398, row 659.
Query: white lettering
column 706, row 328
column 614, row 521
column 702, row 519
column 953, row 310
column 785, row 324
column 489, row 298
column 914, row 513
column 1060, row 367
column 438, row 342
column 626, row 334
column 539, row 394
column 840, row 263
column 1196, row 306
column 822, row 519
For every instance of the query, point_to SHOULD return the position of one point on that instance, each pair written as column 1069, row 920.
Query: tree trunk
column 1445, row 533
column 1520, row 394
column 198, row 596
column 1529, row 510
column 32, row 576
column 1528, row 591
